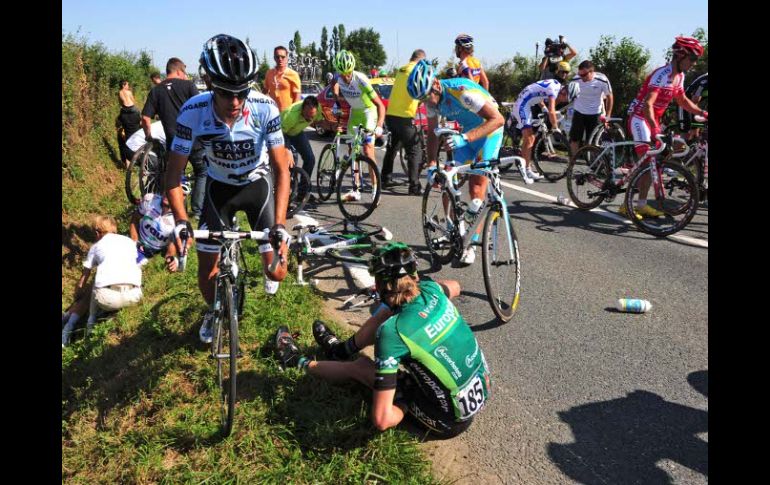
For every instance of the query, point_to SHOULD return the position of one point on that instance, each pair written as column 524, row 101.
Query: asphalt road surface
column 582, row 393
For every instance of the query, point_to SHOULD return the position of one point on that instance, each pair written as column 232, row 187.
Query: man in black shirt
column 165, row 100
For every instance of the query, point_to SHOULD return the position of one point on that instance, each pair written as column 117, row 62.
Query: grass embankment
column 139, row 397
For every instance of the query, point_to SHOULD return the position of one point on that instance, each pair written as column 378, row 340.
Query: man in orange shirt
column 469, row 66
column 281, row 83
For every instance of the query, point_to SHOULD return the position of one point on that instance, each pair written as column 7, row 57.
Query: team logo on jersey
column 183, row 132
column 470, row 358
column 273, row 125
column 385, row 364
column 443, row 353
column 202, row 104
column 233, row 150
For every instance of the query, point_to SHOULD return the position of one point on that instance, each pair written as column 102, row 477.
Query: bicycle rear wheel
column 602, row 134
column 300, row 191
column 326, row 179
column 501, row 264
column 226, row 354
column 551, row 156
column 677, row 198
column 144, row 174
column 358, row 189
column 439, row 222
column 587, row 176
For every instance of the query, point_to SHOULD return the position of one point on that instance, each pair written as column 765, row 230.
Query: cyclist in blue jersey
column 466, row 102
column 240, row 132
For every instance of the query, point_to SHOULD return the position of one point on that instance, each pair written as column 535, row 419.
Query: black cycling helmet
column 393, row 261
column 230, row 63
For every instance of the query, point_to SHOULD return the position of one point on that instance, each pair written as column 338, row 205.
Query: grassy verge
column 139, row 400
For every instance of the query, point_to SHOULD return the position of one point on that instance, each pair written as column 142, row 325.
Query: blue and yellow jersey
column 461, row 100
column 472, row 65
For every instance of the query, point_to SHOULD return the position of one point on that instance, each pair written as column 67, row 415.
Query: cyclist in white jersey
column 240, row 131
column 534, row 94
column 152, row 227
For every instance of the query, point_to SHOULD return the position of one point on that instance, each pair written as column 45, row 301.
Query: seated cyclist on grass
column 466, row 102
column 366, row 107
column 446, row 381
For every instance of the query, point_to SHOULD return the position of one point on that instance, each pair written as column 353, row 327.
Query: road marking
column 605, row 213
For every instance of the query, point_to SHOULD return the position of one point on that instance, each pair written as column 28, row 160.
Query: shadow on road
column 622, row 441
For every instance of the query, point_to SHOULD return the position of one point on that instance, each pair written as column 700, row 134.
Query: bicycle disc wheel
column 358, row 189
column 552, row 164
column 300, row 191
column 439, row 223
column 676, row 197
column 501, row 264
column 587, row 176
column 226, row 354
column 325, row 178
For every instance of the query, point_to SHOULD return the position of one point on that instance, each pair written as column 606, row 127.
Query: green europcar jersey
column 430, row 338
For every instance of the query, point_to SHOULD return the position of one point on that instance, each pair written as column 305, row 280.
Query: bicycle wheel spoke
column 358, row 190
column 438, row 223
column 587, row 176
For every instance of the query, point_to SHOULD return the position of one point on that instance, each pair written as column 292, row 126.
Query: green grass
column 139, row 400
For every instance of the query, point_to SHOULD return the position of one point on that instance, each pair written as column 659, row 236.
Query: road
column 581, row 393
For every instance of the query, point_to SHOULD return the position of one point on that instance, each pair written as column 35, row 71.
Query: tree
column 507, row 79
column 312, row 50
column 334, row 46
column 624, row 63
column 298, row 42
column 366, row 47
column 343, row 39
column 702, row 66
column 263, row 68
column 324, row 43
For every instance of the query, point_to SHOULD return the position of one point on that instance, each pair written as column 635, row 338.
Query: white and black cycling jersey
column 591, row 93
column 237, row 155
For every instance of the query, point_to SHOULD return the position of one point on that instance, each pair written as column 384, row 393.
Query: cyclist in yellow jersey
column 469, row 66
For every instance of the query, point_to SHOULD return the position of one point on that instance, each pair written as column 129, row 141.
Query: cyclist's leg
column 523, row 115
column 199, row 190
column 643, row 133
column 361, row 370
column 411, row 141
column 423, row 411
column 216, row 216
column 302, row 145
column 258, row 201
column 393, row 147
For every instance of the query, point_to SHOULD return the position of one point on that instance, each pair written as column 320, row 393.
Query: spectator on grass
column 155, row 78
column 118, row 281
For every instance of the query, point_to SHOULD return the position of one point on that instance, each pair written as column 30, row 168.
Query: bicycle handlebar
column 260, row 236
column 445, row 131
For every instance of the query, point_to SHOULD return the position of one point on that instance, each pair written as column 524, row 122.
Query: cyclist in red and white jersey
column 661, row 86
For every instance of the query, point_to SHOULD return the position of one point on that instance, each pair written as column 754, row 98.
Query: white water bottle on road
column 562, row 200
column 633, row 305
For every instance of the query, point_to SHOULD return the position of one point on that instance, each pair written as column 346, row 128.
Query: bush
column 624, row 63
column 507, row 79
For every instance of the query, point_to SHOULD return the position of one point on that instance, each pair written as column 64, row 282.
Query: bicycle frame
column 495, row 195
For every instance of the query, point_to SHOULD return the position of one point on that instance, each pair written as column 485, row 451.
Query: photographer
column 554, row 53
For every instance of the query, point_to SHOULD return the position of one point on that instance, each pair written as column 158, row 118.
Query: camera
column 554, row 50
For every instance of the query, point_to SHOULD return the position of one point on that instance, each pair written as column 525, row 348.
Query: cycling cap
column 393, row 261
column 420, row 80
column 687, row 45
column 464, row 40
column 230, row 63
column 573, row 90
column 344, row 62
column 563, row 66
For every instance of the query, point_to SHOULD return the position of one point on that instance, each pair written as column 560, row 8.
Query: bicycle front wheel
column 587, row 176
column 300, row 191
column 551, row 156
column 358, row 189
column 226, row 354
column 325, row 173
column 143, row 174
column 501, row 264
column 675, row 196
column 439, row 222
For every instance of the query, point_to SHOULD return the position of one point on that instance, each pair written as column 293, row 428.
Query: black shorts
column 582, row 125
column 224, row 200
column 425, row 412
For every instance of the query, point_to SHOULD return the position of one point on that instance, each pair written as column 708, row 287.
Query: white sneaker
column 206, row 332
column 534, row 174
column 353, row 196
column 469, row 256
column 523, row 171
column 271, row 287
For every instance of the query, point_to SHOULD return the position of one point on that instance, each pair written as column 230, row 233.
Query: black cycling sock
column 349, row 348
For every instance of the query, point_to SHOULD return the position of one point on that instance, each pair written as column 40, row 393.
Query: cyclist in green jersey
column 445, row 381
column 366, row 107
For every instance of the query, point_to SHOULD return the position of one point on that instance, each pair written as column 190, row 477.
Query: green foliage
column 343, row 38
column 263, row 68
column 324, row 43
column 365, row 45
column 298, row 42
column 702, row 66
column 508, row 78
column 624, row 63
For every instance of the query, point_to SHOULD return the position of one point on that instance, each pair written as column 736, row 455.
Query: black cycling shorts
column 224, row 200
column 413, row 402
column 582, row 125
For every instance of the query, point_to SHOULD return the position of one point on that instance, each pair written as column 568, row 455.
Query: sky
column 500, row 28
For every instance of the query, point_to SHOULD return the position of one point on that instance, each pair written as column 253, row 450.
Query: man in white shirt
column 593, row 89
column 137, row 140
column 118, row 278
